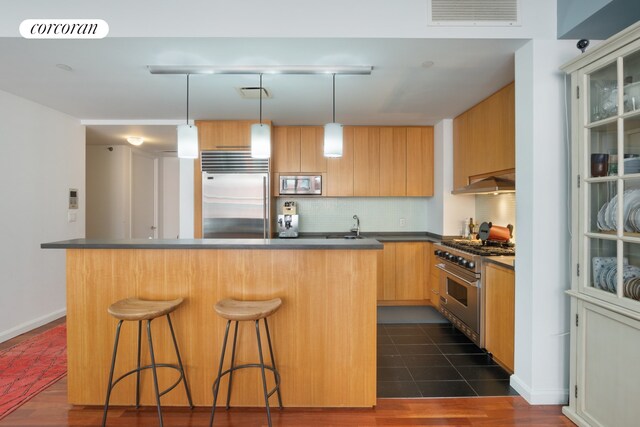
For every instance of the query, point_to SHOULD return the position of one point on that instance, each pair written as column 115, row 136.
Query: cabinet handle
column 435, row 292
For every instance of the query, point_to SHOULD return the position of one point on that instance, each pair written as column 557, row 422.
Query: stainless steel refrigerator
column 235, row 196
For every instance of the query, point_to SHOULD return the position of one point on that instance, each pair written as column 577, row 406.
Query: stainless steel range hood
column 490, row 185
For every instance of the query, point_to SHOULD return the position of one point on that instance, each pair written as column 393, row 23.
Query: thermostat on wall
column 73, row 198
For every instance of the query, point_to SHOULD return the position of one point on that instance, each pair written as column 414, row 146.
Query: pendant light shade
column 333, row 132
column 333, row 140
column 187, row 142
column 187, row 136
column 260, row 135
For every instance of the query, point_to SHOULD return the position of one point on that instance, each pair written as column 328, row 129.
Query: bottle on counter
column 472, row 228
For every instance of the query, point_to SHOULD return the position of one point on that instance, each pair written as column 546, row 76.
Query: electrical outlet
column 403, row 222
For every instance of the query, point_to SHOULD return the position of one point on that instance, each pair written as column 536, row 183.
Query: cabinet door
column 286, row 149
column 340, row 169
column 410, row 278
column 500, row 313
column 312, row 158
column 389, row 272
column 225, row 134
column 366, row 161
column 420, row 161
column 393, row 161
column 460, row 136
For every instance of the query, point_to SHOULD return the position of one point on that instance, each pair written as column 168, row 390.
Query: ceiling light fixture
column 187, row 136
column 261, row 69
column 333, row 132
column 135, row 140
column 260, row 135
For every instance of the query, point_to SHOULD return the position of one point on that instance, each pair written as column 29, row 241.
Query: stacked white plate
column 605, row 275
column 608, row 213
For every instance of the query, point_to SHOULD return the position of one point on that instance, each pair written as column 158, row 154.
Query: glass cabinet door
column 611, row 197
column 603, row 85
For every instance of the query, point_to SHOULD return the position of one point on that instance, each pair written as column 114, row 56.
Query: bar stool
column 234, row 310
column 134, row 309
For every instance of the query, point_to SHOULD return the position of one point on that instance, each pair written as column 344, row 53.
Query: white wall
column 42, row 155
column 108, row 191
column 277, row 18
column 447, row 212
column 186, row 199
column 542, row 276
column 169, row 198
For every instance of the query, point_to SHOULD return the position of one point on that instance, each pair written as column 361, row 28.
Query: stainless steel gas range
column 461, row 282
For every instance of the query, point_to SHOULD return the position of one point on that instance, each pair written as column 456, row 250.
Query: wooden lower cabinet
column 404, row 274
column 434, row 277
column 499, row 288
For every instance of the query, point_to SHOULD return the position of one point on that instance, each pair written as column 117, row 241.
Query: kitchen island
column 324, row 335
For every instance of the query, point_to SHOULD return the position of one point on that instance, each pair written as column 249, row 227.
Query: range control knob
column 438, row 253
column 471, row 264
column 463, row 262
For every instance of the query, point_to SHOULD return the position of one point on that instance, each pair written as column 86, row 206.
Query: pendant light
column 333, row 132
column 260, row 135
column 187, row 136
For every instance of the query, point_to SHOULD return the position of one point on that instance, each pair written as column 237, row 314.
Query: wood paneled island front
column 324, row 335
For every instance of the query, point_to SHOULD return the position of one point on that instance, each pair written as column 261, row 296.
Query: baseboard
column 540, row 397
column 32, row 324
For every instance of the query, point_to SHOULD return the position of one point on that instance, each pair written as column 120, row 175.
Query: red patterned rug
column 31, row 366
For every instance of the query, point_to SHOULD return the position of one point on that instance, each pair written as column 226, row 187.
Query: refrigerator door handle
column 264, row 207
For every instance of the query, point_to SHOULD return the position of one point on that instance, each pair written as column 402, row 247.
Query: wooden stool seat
column 231, row 309
column 138, row 309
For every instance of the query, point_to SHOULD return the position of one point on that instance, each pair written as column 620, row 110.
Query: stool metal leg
column 273, row 360
column 216, row 383
column 233, row 359
column 264, row 377
column 113, row 364
column 138, row 373
column 184, row 377
column 155, row 374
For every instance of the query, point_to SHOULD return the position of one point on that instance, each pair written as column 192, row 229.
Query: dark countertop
column 316, row 243
column 508, row 262
column 380, row 236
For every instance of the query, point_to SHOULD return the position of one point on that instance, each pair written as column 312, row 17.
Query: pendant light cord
column 334, row 97
column 187, row 99
column 261, row 98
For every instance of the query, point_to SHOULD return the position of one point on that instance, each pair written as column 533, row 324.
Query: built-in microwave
column 301, row 184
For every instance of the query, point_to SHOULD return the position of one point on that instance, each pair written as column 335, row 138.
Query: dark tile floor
column 435, row 360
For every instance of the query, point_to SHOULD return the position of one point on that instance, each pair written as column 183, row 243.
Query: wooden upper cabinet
column 420, row 161
column 286, row 149
column 484, row 137
column 225, row 134
column 340, row 169
column 393, row 161
column 366, row 161
column 460, row 134
column 312, row 158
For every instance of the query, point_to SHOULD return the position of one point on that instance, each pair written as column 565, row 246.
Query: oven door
column 461, row 298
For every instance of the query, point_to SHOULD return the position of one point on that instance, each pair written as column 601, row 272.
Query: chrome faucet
column 356, row 227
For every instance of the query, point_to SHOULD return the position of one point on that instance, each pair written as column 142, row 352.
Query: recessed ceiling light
column 64, row 67
column 135, row 140
column 427, row 64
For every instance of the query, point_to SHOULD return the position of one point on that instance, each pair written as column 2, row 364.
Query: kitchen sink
column 343, row 236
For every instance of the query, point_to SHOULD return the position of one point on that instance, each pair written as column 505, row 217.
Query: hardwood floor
column 49, row 408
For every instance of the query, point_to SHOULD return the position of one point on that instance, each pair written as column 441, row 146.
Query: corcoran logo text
column 64, row 29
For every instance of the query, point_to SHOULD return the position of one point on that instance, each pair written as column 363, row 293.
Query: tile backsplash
column 499, row 209
column 335, row 214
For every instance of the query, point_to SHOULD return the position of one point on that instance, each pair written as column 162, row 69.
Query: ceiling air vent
column 253, row 92
column 473, row 12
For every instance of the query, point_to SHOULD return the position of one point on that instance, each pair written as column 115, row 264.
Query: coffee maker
column 288, row 221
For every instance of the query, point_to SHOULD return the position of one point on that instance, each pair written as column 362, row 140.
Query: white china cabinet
column 605, row 289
